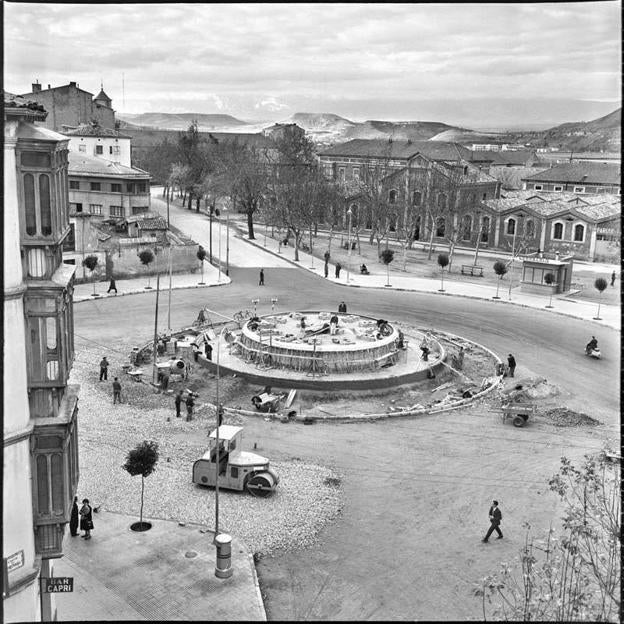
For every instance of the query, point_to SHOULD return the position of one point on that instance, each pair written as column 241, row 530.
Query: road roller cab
column 238, row 469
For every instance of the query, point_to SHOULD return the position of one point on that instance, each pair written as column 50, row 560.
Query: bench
column 472, row 270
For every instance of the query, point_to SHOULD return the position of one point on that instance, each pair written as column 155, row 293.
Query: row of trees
column 281, row 180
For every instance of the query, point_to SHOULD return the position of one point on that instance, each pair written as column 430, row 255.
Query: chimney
column 48, row 86
column 36, row 87
column 72, row 84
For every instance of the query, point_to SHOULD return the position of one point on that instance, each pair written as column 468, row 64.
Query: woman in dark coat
column 86, row 518
column 73, row 520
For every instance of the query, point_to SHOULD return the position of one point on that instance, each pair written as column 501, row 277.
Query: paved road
column 407, row 544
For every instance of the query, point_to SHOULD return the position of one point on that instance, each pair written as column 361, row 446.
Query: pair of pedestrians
column 85, row 514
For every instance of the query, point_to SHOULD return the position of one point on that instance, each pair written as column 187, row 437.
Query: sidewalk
column 212, row 277
column 166, row 573
column 610, row 315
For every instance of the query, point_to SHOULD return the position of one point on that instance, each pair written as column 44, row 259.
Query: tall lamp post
column 513, row 252
column 349, row 214
column 219, row 217
column 273, row 302
column 479, row 234
column 227, row 243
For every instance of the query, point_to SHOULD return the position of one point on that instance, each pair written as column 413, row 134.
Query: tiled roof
column 18, row 104
column 102, row 96
column 511, row 157
column 600, row 211
column 246, row 138
column 148, row 221
column 381, row 148
column 580, row 173
column 95, row 131
column 81, row 164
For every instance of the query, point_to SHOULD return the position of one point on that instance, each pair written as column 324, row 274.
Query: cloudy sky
column 473, row 64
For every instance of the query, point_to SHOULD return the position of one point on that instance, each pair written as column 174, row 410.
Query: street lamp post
column 349, row 214
column 479, row 234
column 513, row 252
column 227, row 243
column 219, row 217
column 273, row 302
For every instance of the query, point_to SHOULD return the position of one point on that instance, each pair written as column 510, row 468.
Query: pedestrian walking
column 342, row 308
column 86, row 518
column 511, row 362
column 338, row 267
column 613, row 279
column 261, row 283
column 495, row 519
column 178, row 402
column 112, row 286
column 104, row 369
column 73, row 519
column 190, row 401
column 116, row 390
column 326, row 269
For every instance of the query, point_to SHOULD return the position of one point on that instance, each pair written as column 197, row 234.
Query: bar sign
column 58, row 584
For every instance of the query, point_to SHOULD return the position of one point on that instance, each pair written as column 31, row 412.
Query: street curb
column 521, row 305
column 140, row 292
column 254, row 575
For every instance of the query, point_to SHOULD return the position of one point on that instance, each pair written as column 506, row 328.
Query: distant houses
column 578, row 177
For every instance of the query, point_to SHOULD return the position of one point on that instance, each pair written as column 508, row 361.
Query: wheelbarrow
column 518, row 413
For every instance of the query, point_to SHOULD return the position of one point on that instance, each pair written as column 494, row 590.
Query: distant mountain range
column 601, row 134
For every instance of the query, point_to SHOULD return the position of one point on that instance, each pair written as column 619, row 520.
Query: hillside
column 181, row 121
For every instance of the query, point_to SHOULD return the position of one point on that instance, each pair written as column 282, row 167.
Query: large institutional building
column 40, row 469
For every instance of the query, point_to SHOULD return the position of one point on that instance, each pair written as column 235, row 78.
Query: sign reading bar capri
column 58, row 584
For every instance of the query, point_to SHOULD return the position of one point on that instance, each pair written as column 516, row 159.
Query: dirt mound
column 564, row 417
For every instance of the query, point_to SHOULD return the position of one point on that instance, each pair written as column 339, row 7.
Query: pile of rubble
column 564, row 417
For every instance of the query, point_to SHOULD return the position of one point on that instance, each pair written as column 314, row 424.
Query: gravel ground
column 308, row 496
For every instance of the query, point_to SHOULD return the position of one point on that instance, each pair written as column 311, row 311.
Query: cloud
column 241, row 54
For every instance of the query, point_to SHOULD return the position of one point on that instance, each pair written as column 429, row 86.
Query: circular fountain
column 325, row 350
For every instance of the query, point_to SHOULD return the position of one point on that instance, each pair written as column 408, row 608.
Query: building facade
column 40, row 471
column 69, row 106
column 106, row 143
column 577, row 177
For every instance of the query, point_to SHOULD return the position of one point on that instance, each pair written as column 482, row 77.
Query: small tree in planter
column 443, row 261
column 549, row 279
column 600, row 284
column 91, row 262
column 500, row 268
column 147, row 257
column 142, row 460
column 201, row 256
column 387, row 256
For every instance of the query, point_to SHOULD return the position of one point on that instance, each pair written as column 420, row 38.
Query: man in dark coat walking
column 338, row 267
column 342, row 307
column 495, row 519
column 116, row 390
column 511, row 362
column 261, row 282
column 190, row 401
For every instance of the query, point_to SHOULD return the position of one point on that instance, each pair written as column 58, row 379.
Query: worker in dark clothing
column 342, row 308
column 495, row 519
column 190, row 401
column 511, row 362
column 104, row 369
column 178, row 402
column 261, row 281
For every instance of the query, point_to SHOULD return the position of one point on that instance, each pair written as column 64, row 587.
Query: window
column 116, row 188
column 44, row 205
column 96, row 186
column 356, row 173
column 141, row 187
column 115, row 150
column 99, row 149
column 557, row 231
column 485, row 229
column 440, row 226
column 78, row 207
column 530, row 228
column 538, row 187
column 74, row 185
column 416, row 198
column 29, row 204
column 341, row 174
column 95, row 209
column 511, row 227
column 579, row 233
column 130, row 187
column 392, row 196
column 466, row 227
column 484, row 196
column 116, row 211
column 465, row 169
column 139, row 209
column 82, row 147
column 234, row 472
column 579, row 189
column 558, row 188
